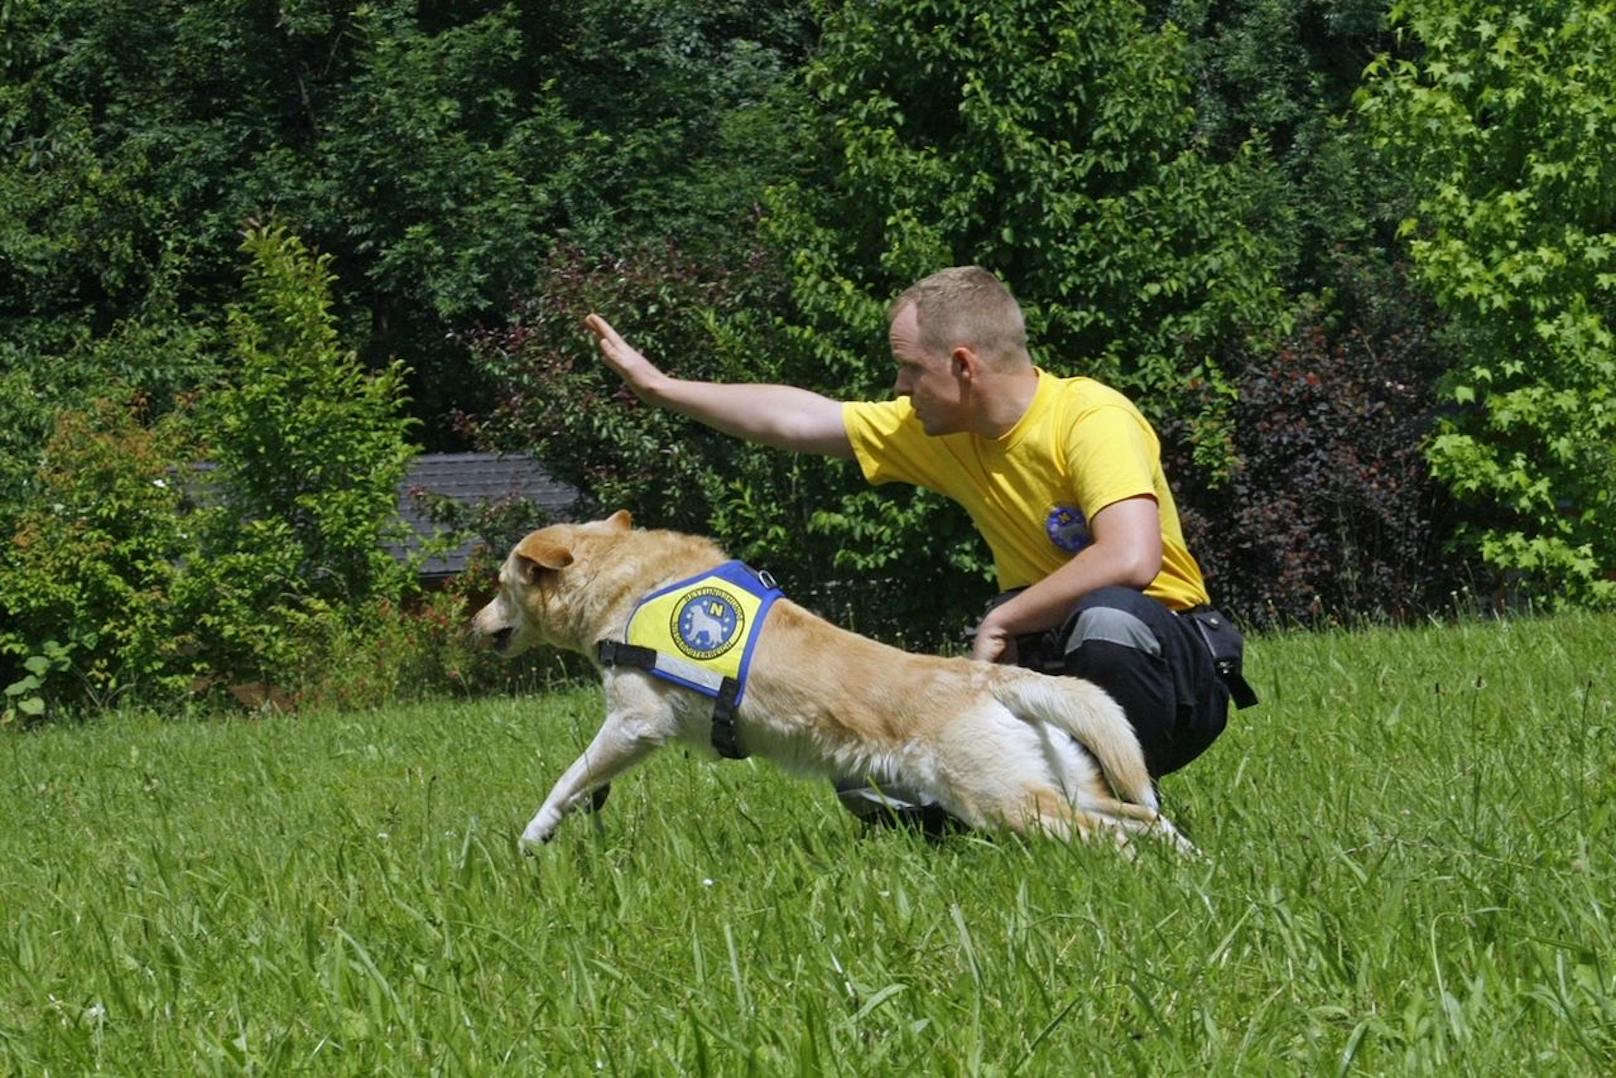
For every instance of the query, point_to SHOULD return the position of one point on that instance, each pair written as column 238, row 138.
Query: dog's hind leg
column 1136, row 820
column 1048, row 811
column 1080, row 778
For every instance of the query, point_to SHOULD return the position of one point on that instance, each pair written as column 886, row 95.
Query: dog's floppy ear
column 622, row 520
column 544, row 552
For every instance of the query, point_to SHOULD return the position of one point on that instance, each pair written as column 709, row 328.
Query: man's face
column 928, row 380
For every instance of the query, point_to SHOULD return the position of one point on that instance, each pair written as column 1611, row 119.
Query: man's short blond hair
column 969, row 306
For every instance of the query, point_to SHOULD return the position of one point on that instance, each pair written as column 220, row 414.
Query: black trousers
column 1152, row 661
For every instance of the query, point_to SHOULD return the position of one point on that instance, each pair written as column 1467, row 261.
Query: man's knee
column 1112, row 619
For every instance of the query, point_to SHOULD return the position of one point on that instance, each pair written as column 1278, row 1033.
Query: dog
column 996, row 746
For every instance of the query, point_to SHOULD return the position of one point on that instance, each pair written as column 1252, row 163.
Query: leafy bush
column 26, row 698
column 416, row 650
column 422, row 646
column 1329, row 511
column 1498, row 125
column 308, row 450
column 92, row 561
column 154, row 355
column 155, row 576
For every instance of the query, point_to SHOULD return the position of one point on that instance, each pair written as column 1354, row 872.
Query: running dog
column 996, row 746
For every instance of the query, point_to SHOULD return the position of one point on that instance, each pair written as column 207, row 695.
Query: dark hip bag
column 1227, row 648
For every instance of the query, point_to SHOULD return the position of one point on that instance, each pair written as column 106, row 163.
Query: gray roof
column 471, row 478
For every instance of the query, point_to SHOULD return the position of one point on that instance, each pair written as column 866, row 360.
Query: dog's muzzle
column 501, row 639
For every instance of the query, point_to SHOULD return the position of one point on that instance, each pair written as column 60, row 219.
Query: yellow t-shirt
column 1080, row 447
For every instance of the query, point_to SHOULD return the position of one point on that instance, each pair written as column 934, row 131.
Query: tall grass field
column 1407, row 869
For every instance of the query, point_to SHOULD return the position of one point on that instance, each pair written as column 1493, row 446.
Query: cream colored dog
column 997, row 746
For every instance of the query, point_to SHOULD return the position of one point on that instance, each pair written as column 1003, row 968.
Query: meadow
column 1407, row 869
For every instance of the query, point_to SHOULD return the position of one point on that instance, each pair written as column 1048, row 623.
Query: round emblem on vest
column 1067, row 529
column 707, row 623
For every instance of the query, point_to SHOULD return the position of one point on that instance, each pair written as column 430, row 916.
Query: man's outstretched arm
column 780, row 416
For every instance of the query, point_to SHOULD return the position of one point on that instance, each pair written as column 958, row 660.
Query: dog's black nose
column 502, row 639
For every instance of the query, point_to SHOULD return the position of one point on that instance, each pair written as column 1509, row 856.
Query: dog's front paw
column 540, row 830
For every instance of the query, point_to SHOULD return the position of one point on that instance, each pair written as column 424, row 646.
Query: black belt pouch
column 1228, row 650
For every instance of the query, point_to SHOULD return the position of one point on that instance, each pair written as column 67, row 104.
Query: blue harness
column 700, row 633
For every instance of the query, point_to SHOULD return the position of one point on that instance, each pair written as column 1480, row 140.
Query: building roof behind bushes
column 470, row 479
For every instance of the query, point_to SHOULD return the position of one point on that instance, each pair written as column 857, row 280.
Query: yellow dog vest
column 703, row 629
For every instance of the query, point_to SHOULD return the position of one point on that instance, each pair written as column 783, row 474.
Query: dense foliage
column 90, row 568
column 433, row 150
column 1054, row 144
column 1353, row 260
column 1502, row 126
column 1331, row 506
column 157, row 573
column 306, row 452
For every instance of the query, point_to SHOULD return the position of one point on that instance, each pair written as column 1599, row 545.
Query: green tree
column 1500, row 124
column 1054, row 143
column 1284, row 72
column 435, row 151
column 305, row 443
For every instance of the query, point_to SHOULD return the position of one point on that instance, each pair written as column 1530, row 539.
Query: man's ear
column 964, row 364
column 543, row 552
column 622, row 520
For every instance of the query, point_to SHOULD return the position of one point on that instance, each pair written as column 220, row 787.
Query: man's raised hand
column 639, row 373
column 785, row 417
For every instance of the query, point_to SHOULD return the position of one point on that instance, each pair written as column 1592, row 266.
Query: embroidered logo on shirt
column 707, row 624
column 1067, row 529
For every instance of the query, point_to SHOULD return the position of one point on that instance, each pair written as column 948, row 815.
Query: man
column 1063, row 478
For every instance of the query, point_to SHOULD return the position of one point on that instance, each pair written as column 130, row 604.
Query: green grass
column 1409, row 869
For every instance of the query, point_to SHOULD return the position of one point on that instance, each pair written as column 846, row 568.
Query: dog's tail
column 1088, row 713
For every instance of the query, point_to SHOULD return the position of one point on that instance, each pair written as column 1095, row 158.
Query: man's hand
column 641, row 375
column 782, row 416
column 1126, row 551
column 994, row 643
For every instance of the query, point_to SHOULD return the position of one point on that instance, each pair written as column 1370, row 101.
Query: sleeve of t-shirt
column 1108, row 458
column 889, row 442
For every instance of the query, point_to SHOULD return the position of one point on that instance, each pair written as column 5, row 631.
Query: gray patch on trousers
column 1112, row 626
